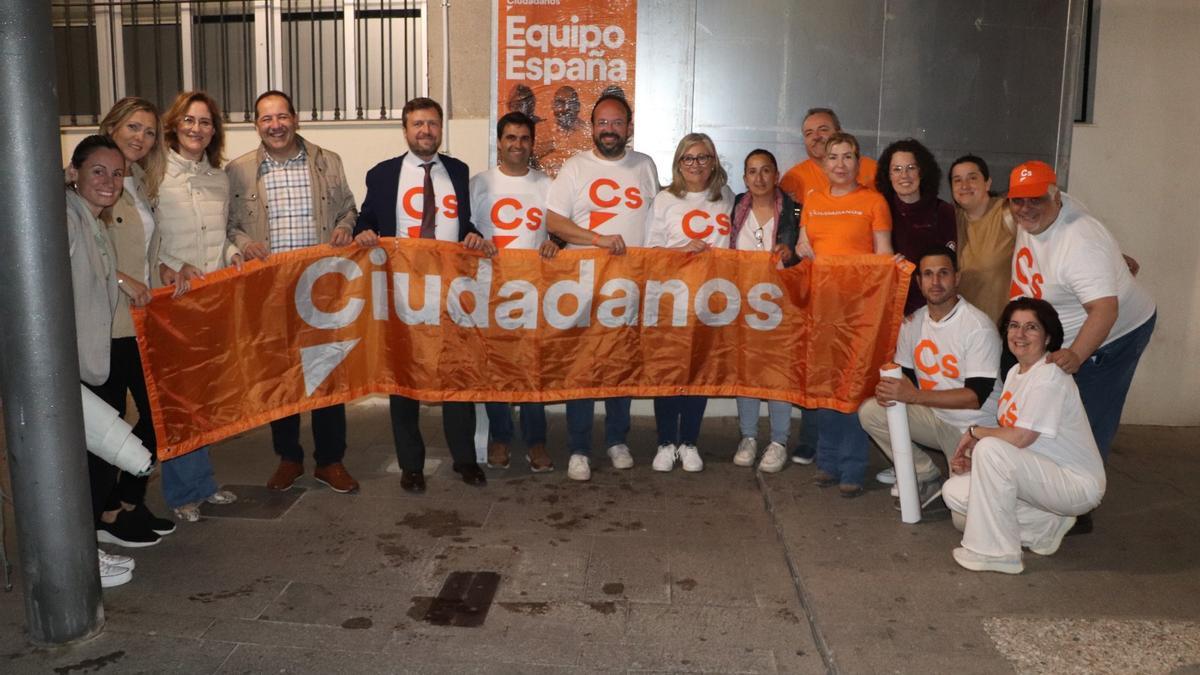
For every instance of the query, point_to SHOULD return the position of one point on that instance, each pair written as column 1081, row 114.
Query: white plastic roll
column 111, row 438
column 481, row 433
column 902, row 454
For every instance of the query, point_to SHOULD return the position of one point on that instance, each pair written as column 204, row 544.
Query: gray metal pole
column 39, row 369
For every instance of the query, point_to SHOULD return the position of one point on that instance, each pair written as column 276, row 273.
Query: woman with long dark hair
column 767, row 220
column 920, row 221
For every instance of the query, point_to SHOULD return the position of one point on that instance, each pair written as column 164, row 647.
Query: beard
column 614, row 151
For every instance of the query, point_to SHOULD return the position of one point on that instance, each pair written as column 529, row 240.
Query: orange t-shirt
column 845, row 225
column 808, row 175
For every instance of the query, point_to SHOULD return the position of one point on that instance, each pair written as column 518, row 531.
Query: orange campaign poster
column 554, row 58
column 431, row 321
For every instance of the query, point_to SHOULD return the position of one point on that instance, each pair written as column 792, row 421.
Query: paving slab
column 637, row 571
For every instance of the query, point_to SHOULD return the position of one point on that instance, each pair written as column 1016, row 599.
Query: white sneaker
column 1050, row 546
column 114, row 575
column 689, row 457
column 928, row 490
column 115, row 559
column 579, row 468
column 619, row 454
column 977, row 562
column 746, row 453
column 887, row 476
column 664, row 459
column 773, row 459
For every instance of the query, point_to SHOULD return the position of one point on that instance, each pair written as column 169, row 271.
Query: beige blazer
column 333, row 203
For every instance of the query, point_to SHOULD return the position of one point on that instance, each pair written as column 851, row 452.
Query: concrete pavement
column 637, row 571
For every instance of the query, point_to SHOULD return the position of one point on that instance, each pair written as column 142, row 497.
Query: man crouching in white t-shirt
column 508, row 206
column 601, row 199
column 949, row 351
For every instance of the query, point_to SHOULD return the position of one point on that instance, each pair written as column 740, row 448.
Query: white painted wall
column 1133, row 168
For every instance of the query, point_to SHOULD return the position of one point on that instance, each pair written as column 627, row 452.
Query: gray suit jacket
column 94, row 283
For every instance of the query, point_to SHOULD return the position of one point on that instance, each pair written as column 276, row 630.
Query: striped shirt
column 289, row 202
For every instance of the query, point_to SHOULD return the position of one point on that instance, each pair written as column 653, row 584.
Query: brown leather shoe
column 497, row 455
column 850, row 490
column 539, row 460
column 285, row 475
column 822, row 479
column 336, row 477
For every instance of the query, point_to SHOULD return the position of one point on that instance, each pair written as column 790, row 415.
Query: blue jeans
column 188, row 479
column 1104, row 380
column 809, row 425
column 779, row 413
column 678, row 419
column 533, row 423
column 841, row 446
column 579, row 423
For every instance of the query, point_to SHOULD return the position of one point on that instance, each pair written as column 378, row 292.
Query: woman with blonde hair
column 691, row 214
column 193, row 208
column 134, row 125
column 847, row 218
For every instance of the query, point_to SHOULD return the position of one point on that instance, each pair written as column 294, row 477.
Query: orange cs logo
column 415, row 196
column 926, row 357
column 689, row 229
column 1008, row 416
column 508, row 214
column 606, row 193
column 1023, row 281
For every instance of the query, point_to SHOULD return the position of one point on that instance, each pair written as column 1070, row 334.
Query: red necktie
column 429, row 207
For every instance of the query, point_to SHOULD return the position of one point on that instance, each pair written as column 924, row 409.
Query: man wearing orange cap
column 819, row 125
column 1066, row 257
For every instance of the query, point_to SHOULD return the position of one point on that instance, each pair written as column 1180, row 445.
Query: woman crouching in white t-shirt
column 765, row 219
column 691, row 214
column 1022, row 483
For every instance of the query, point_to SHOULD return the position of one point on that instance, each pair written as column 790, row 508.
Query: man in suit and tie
column 423, row 194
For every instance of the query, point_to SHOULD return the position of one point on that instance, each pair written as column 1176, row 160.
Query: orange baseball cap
column 1031, row 179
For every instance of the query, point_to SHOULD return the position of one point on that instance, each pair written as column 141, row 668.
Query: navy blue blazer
column 378, row 211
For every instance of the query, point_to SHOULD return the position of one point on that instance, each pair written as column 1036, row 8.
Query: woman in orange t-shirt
column 846, row 219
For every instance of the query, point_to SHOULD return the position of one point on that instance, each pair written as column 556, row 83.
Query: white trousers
column 1014, row 497
column 923, row 426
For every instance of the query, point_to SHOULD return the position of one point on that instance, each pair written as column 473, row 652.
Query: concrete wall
column 1129, row 167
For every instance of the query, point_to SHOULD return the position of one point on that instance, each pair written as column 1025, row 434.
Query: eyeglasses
column 758, row 238
column 1023, row 327
column 907, row 168
column 689, row 160
column 188, row 122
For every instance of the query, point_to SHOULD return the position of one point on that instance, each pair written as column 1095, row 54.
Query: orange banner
column 554, row 58
column 431, row 321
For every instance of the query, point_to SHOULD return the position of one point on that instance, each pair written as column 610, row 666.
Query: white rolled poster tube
column 902, row 453
column 111, row 438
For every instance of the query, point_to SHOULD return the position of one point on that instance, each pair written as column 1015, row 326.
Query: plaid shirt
column 289, row 202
